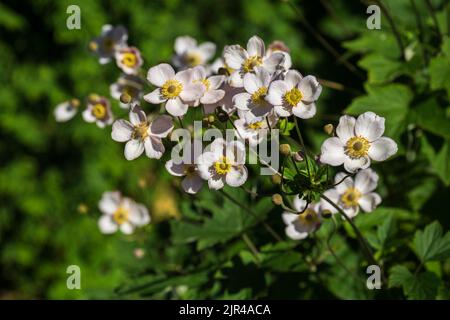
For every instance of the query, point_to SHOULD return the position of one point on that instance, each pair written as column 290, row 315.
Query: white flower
column 177, row 90
column 252, row 128
column 226, row 103
column 244, row 61
column 256, row 86
column 130, row 85
column 141, row 134
column 299, row 226
column 192, row 181
column 129, row 59
column 224, row 163
column 280, row 46
column 295, row 95
column 212, row 92
column 219, row 64
column 357, row 142
column 99, row 111
column 66, row 110
column 189, row 54
column 350, row 195
column 121, row 213
column 108, row 42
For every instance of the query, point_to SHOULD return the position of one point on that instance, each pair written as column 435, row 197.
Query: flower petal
column 242, row 101
column 304, row 111
column 276, row 92
column 273, row 61
column 369, row 202
column 192, row 92
column 155, row 97
column 292, row 233
column 126, row 228
column 192, row 183
column 159, row 74
column 109, row 202
column 289, row 217
column 184, row 43
column 351, row 165
column 256, row 47
column 332, row 152
column 299, row 203
column 176, row 107
column 283, row 110
column 216, row 81
column 345, row 182
column 133, row 149
column 234, row 56
column 137, row 116
column 216, row 182
column 252, row 83
column 236, row 79
column 292, row 78
column 154, row 148
column 237, row 176
column 175, row 169
column 212, row 96
column 382, row 149
column 346, row 128
column 310, row 88
column 208, row 49
column 107, row 225
column 370, row 126
column 366, row 180
column 64, row 112
column 122, row 130
column 161, row 126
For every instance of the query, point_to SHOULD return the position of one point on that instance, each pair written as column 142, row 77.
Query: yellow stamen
column 99, row 111
column 140, row 131
column 171, row 89
column 193, row 59
column 357, row 147
column 259, row 95
column 251, row 63
column 129, row 59
column 293, row 97
column 223, row 166
column 309, row 217
column 256, row 125
column 121, row 215
column 351, row 197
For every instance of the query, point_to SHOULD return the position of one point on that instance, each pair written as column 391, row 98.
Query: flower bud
column 326, row 213
column 222, row 116
column 75, row 103
column 285, row 149
column 276, row 179
column 277, row 199
column 224, row 72
column 82, row 208
column 298, row 156
column 329, row 129
column 125, row 98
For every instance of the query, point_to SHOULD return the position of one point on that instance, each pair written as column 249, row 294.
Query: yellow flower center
column 129, row 59
column 193, row 59
column 99, row 111
column 259, row 95
column 256, row 125
column 357, row 147
column 121, row 215
column 252, row 62
column 171, row 89
column 293, row 97
column 351, row 197
column 223, row 166
column 309, row 217
column 140, row 131
column 206, row 83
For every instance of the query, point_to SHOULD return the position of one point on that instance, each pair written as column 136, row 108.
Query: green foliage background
column 49, row 169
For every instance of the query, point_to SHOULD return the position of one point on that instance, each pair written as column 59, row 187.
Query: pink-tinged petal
column 198, row 73
column 299, row 204
column 310, row 88
column 344, row 184
column 283, row 110
column 292, row 78
column 161, row 126
column 236, row 79
column 237, row 176
column 304, row 111
column 216, row 182
column 332, row 152
column 242, row 101
column 107, row 225
column 133, row 149
column 185, row 77
column 346, row 128
column 256, row 47
column 382, row 149
column 351, row 165
column 212, row 96
column 159, row 74
column 273, row 62
column 137, row 116
column 122, row 130
column 370, row 126
column 175, row 169
column 215, row 82
column 208, row 49
column 366, row 180
column 126, row 228
column 192, row 183
column 292, row 233
column 252, row 83
column 369, row 202
column 183, row 44
column 155, row 97
column 276, row 92
column 154, row 148
column 109, row 202
column 176, row 107
column 234, row 56
column 192, row 92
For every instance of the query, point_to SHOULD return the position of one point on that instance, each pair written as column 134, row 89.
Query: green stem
column 252, row 247
column 302, row 143
column 433, row 16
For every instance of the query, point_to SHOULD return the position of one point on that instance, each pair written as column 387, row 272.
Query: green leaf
column 440, row 161
column 439, row 69
column 422, row 286
column 380, row 42
column 390, row 101
column 430, row 244
column 386, row 230
column 381, row 69
column 429, row 116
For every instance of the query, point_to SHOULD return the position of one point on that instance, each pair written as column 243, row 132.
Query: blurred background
column 53, row 174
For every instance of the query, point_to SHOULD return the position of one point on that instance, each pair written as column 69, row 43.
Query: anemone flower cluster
column 249, row 90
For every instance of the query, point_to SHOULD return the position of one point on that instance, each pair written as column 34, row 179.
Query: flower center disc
column 293, row 97
column 129, row 59
column 193, row 59
column 140, row 131
column 357, row 147
column 259, row 95
column 171, row 89
column 223, row 166
column 256, row 125
column 121, row 215
column 351, row 197
column 309, row 217
column 251, row 63
column 99, row 111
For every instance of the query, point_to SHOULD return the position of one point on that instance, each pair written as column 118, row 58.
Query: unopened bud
column 298, row 156
column 326, row 213
column 329, row 129
column 93, row 46
column 276, row 179
column 222, row 116
column 125, row 98
column 224, row 72
column 277, row 199
column 82, row 208
column 285, row 149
